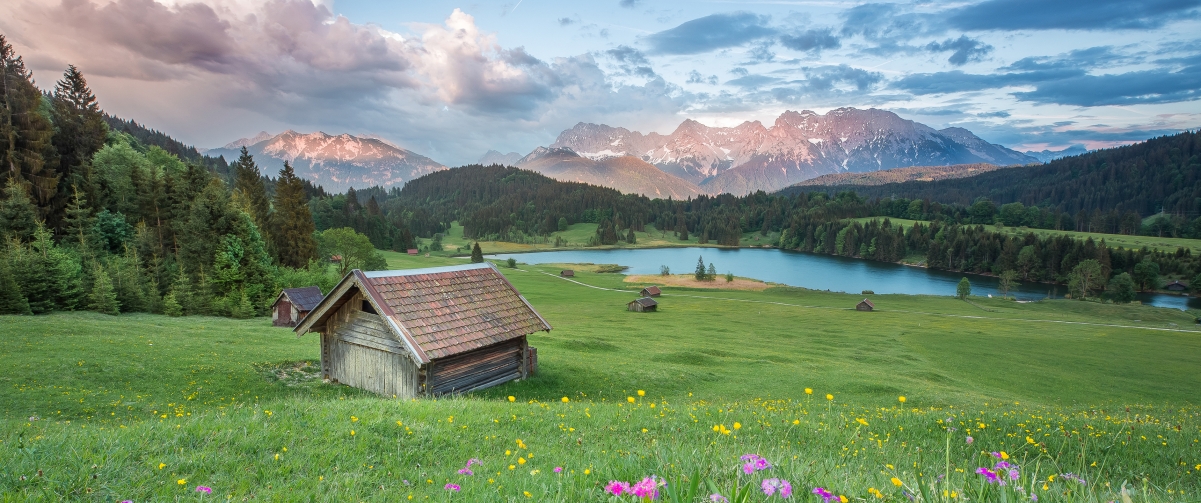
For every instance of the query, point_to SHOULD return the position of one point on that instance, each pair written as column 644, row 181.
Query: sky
column 452, row 80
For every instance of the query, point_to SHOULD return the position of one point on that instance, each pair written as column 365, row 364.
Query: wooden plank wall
column 363, row 353
column 479, row 369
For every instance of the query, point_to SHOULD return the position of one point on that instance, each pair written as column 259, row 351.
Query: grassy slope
column 1113, row 240
column 101, row 388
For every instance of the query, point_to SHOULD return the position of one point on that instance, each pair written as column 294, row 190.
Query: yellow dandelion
column 842, row 498
column 901, row 399
column 641, row 393
column 808, row 391
column 527, row 494
column 398, row 423
column 521, row 461
column 897, row 482
column 512, row 467
column 644, row 430
column 829, row 396
column 181, row 481
column 354, row 419
column 630, row 399
column 162, row 465
column 716, row 427
column 737, row 425
column 796, row 421
column 565, row 399
column 352, row 433
column 320, row 478
column 512, row 398
column 587, row 471
column 277, row 456
column 861, row 421
column 508, row 452
column 1004, row 455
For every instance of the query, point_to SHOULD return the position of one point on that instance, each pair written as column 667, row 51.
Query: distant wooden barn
column 567, row 273
column 865, row 305
column 1176, row 286
column 412, row 251
column 650, row 291
column 425, row 332
column 293, row 304
column 642, row 305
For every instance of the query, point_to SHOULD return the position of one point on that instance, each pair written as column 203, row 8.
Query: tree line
column 93, row 217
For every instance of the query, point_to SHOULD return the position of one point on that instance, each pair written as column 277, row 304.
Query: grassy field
column 1112, row 240
column 147, row 408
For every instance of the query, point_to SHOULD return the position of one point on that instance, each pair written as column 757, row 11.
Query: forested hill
column 1161, row 174
column 153, row 137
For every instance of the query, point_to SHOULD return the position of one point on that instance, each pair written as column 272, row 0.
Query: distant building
column 293, row 304
column 425, row 332
column 1176, row 286
column 412, row 251
column 650, row 291
column 567, row 273
column 865, row 305
column 642, row 305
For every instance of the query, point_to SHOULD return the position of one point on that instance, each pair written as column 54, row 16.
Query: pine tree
column 18, row 216
column 630, row 237
column 11, row 299
column 103, row 298
column 249, row 182
column 699, row 273
column 711, row 273
column 78, row 220
column 293, row 221
column 171, row 306
column 25, row 132
column 80, row 131
column 477, row 255
column 240, row 306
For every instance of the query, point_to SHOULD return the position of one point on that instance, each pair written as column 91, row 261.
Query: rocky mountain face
column 1050, row 155
column 334, row 162
column 627, row 174
column 494, row 157
column 796, row 147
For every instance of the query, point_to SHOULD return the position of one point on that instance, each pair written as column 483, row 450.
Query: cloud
column 629, row 4
column 752, row 81
column 709, row 33
column 1071, row 14
column 1131, row 88
column 694, row 77
column 631, row 61
column 999, row 114
column 963, row 49
column 811, row 40
column 958, row 81
column 564, row 21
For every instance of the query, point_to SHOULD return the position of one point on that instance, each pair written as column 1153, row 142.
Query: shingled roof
column 305, row 299
column 444, row 311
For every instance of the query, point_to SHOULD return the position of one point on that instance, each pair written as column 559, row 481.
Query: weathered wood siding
column 282, row 315
column 359, row 350
column 479, row 369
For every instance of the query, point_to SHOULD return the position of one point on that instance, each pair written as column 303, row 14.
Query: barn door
column 285, row 314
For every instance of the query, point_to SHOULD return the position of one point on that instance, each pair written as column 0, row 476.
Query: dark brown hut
column 567, row 273
column 412, row 251
column 642, row 305
column 650, row 291
column 1176, row 286
column 865, row 305
column 293, row 304
column 424, row 332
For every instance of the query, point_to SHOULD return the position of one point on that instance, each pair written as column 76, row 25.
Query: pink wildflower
column 647, row 488
column 558, row 469
column 754, row 463
column 989, row 475
column 452, row 487
column 1013, row 474
column 770, row 486
column 466, row 471
column 969, row 440
column 617, row 488
column 718, row 498
column 827, row 496
column 204, row 489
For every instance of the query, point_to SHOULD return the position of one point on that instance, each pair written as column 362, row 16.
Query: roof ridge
column 425, row 270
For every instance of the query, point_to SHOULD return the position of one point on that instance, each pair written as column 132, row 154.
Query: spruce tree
column 78, row 220
column 171, row 306
column 18, row 217
column 79, row 133
column 249, row 182
column 25, row 132
column 699, row 273
column 240, row 306
column 711, row 273
column 477, row 255
column 630, row 237
column 293, row 221
column 11, row 299
column 103, row 298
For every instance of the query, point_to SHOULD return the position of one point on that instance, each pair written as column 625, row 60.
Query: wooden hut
column 642, row 305
column 567, row 273
column 412, row 251
column 865, row 305
column 424, row 332
column 1176, row 286
column 650, row 291
column 293, row 304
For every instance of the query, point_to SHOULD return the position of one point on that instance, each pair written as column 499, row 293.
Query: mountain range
column 334, row 162
column 798, row 146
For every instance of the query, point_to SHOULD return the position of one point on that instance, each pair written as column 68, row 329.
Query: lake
column 814, row 271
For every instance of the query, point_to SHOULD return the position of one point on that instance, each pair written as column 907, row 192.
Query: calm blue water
column 813, row 271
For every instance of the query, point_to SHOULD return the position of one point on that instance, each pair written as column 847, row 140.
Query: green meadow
column 148, row 408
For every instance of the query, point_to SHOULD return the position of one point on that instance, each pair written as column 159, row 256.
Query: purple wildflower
column 1002, row 465
column 452, row 487
column 827, row 496
column 646, row 488
column 996, row 454
column 990, row 475
column 1073, row 477
column 474, row 461
column 718, row 498
column 754, row 463
column 466, row 471
column 617, row 488
column 204, row 489
column 770, row 486
column 558, row 469
column 1013, row 474
column 1034, row 497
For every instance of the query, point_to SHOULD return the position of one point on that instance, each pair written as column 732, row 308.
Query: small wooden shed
column 567, row 273
column 424, row 332
column 650, row 291
column 1176, row 286
column 865, row 305
column 642, row 305
column 293, row 304
column 412, row 251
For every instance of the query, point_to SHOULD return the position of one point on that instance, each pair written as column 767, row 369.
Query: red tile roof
column 451, row 310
